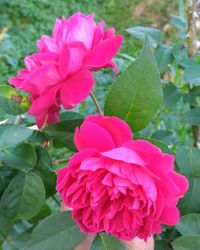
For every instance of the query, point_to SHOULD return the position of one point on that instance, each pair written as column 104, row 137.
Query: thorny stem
column 96, row 103
column 192, row 48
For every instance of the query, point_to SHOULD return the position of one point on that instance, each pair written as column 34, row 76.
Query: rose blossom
column 60, row 72
column 118, row 185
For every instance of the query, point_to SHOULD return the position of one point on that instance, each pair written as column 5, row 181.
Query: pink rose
column 118, row 185
column 60, row 73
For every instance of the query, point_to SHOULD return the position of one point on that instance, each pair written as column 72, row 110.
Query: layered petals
column 127, row 188
column 77, row 46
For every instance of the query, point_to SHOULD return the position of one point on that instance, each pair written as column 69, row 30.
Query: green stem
column 96, row 103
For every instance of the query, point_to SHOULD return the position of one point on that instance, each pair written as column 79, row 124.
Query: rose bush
column 60, row 72
column 117, row 185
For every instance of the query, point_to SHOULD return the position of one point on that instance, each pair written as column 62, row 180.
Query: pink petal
column 124, row 154
column 93, row 136
column 71, row 58
column 81, row 28
column 76, row 88
column 43, row 102
column 180, row 181
column 170, row 216
column 143, row 146
column 109, row 33
column 98, row 35
column 118, row 129
column 41, row 120
column 46, row 44
column 103, row 52
column 44, row 77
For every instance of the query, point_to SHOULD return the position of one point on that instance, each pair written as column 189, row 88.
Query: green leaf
column 186, row 243
column 180, row 53
column 24, row 196
column 179, row 22
column 16, row 134
column 23, row 157
column 163, row 55
column 45, row 169
column 171, row 95
column 6, row 175
column 56, row 232
column 188, row 162
column 6, row 224
column 107, row 242
column 192, row 75
column 155, row 35
column 62, row 133
column 192, row 116
column 12, row 101
column 188, row 158
column 189, row 225
column 136, row 94
column 44, row 212
column 161, row 245
column 157, row 143
column 164, row 135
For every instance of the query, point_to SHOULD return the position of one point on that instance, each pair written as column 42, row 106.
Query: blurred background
column 22, row 22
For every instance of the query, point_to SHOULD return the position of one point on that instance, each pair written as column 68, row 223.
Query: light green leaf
column 189, row 225
column 192, row 116
column 62, row 133
column 192, row 74
column 24, row 196
column 163, row 55
column 56, row 232
column 107, row 242
column 16, row 134
column 12, row 101
column 171, row 95
column 155, row 35
column 186, row 243
column 136, row 94
column 188, row 162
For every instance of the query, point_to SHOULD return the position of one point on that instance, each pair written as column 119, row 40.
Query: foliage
column 29, row 204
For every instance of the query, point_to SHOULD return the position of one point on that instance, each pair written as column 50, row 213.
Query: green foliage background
column 27, row 165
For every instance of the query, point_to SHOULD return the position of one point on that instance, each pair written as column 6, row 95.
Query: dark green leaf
column 13, row 102
column 189, row 225
column 194, row 96
column 63, row 132
column 23, row 157
column 192, row 74
column 192, row 116
column 164, row 135
column 107, row 242
column 136, row 94
column 24, row 196
column 16, row 134
column 163, row 55
column 6, row 175
column 44, row 212
column 45, row 169
column 56, row 232
column 155, row 35
column 6, row 224
column 161, row 245
column 186, row 243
